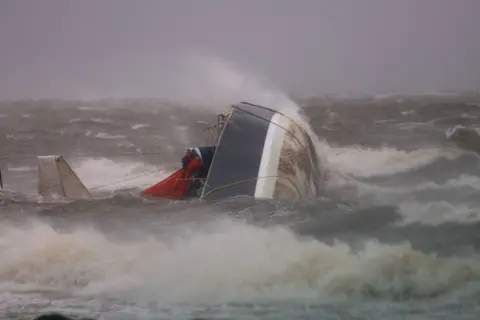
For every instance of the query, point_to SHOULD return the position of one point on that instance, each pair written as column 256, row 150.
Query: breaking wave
column 102, row 174
column 439, row 212
column 229, row 262
column 368, row 162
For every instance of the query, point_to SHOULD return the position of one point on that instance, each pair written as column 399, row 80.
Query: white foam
column 463, row 180
column 126, row 144
column 95, row 120
column 229, row 262
column 106, row 174
column 365, row 162
column 101, row 120
column 397, row 194
column 104, row 135
column 439, row 212
column 139, row 126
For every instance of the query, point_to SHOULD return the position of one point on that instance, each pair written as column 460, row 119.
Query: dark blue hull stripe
column 238, row 155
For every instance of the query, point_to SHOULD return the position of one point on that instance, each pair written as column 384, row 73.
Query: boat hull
column 263, row 154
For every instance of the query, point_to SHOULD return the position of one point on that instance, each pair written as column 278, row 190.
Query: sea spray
column 228, row 261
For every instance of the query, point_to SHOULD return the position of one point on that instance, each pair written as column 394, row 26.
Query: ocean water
column 394, row 236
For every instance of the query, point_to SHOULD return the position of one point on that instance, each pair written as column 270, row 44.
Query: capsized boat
column 259, row 152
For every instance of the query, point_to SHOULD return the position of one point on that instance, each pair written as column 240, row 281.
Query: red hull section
column 173, row 187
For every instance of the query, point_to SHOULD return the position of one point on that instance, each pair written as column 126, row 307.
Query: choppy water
column 395, row 236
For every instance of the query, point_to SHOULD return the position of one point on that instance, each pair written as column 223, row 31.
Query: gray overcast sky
column 160, row 48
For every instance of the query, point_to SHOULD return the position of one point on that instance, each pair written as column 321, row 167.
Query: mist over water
column 394, row 234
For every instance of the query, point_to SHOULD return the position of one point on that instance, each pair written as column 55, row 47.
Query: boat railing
column 215, row 130
column 229, row 185
column 269, row 121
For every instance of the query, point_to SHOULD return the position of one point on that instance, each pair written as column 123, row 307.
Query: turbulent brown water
column 394, row 236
